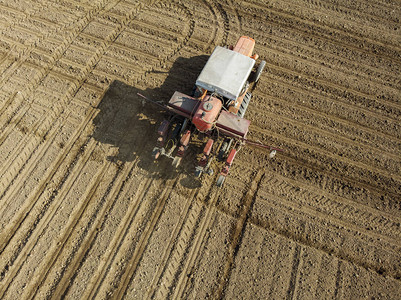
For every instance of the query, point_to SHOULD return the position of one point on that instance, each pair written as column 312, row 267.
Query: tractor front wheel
column 259, row 70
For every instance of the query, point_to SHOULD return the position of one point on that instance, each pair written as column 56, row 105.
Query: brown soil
column 86, row 213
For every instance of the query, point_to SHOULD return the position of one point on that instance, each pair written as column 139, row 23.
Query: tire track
column 23, row 55
column 376, row 6
column 374, row 178
column 296, row 261
column 355, row 12
column 345, row 253
column 28, row 165
column 332, row 106
column 178, row 229
column 359, row 98
column 68, row 274
column 338, row 252
column 22, row 107
column 16, row 260
column 278, row 202
column 320, row 60
column 345, row 148
column 113, row 192
column 323, row 41
column 383, row 224
column 326, row 32
column 352, row 26
column 12, row 227
column 196, row 245
column 187, row 237
column 218, row 10
column 18, row 114
column 22, row 150
column 90, row 66
column 116, row 244
column 21, row 17
column 338, row 184
column 238, row 234
column 144, row 239
column 107, row 283
column 172, row 266
column 49, row 260
column 382, row 190
column 317, row 116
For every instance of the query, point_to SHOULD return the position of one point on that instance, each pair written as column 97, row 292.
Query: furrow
column 367, row 12
column 346, row 148
column 115, row 245
column 329, row 62
column 24, row 53
column 371, row 237
column 55, row 250
column 144, row 239
column 328, row 32
column 34, row 158
column 282, row 267
column 177, row 231
column 237, row 236
column 332, row 106
column 364, row 217
column 296, row 262
column 378, row 179
column 360, row 99
column 172, row 266
column 342, row 185
column 15, row 223
column 355, row 28
column 7, row 235
column 272, row 215
column 59, row 289
column 328, row 120
column 194, row 251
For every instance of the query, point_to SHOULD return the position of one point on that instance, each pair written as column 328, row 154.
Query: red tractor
column 216, row 109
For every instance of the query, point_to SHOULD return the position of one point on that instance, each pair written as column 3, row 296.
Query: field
column 86, row 213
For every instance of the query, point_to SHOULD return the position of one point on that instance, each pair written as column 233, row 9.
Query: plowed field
column 86, row 213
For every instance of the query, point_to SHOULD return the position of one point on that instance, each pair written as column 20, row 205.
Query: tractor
column 215, row 110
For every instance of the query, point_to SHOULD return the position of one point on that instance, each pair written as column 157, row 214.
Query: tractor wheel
column 198, row 173
column 259, row 70
column 176, row 161
column 220, row 180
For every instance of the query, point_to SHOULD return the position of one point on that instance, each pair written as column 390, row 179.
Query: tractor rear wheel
column 198, row 173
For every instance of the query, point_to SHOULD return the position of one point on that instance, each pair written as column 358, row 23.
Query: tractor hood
column 225, row 72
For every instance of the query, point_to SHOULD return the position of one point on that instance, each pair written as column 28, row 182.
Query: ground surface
column 84, row 211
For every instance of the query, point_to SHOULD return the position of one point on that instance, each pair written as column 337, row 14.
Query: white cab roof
column 225, row 72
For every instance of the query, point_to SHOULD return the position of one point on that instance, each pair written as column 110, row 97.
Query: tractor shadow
column 130, row 124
